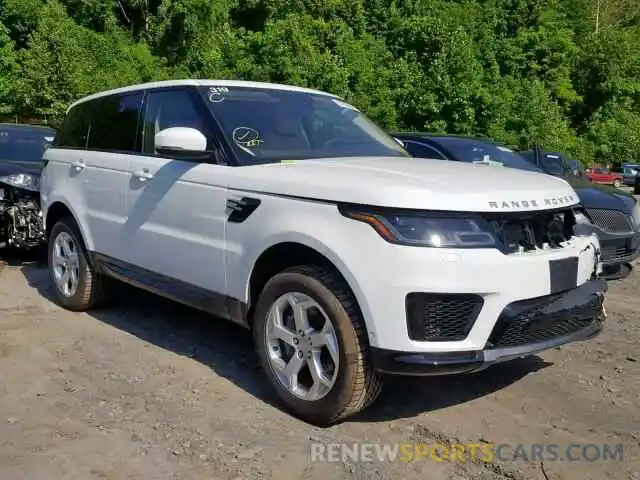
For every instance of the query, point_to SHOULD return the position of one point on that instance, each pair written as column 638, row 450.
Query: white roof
column 200, row 83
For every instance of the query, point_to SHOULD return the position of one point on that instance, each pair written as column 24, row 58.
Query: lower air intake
column 434, row 317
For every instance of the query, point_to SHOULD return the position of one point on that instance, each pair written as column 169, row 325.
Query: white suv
column 288, row 211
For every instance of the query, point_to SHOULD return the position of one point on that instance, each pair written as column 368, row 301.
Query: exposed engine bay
column 21, row 223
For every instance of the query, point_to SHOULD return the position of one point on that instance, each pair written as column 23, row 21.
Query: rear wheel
column 312, row 344
column 617, row 183
column 77, row 286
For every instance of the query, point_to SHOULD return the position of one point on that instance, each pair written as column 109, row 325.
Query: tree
column 518, row 71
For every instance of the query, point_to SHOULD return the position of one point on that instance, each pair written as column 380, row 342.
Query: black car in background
column 614, row 215
column 22, row 146
column 554, row 163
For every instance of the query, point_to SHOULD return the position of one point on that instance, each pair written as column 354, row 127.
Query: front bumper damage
column 524, row 328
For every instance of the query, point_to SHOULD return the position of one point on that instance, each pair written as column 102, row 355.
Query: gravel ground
column 150, row 389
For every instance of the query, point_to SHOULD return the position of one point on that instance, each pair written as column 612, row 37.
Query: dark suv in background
column 612, row 214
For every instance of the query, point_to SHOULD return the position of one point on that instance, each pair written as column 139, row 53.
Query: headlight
column 428, row 229
column 22, row 180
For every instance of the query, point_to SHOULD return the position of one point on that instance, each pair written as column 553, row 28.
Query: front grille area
column 615, row 252
column 532, row 321
column 612, row 221
column 435, row 317
column 525, row 231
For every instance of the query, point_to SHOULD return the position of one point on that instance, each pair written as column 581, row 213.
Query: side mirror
column 181, row 142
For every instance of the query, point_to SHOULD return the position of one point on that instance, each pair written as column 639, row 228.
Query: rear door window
column 114, row 123
column 74, row 129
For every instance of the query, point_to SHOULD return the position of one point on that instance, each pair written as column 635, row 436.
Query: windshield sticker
column 246, row 138
column 342, row 104
column 504, row 149
column 487, row 161
column 216, row 94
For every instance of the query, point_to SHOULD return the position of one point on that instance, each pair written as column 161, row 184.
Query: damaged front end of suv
column 21, row 225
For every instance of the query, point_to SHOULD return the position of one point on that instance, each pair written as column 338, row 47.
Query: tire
column 90, row 289
column 616, row 183
column 355, row 384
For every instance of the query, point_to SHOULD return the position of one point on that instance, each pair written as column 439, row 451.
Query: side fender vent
column 239, row 209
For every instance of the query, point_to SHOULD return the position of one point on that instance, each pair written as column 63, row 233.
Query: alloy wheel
column 302, row 346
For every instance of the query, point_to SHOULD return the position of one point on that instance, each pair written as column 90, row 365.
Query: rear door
column 104, row 168
column 88, row 167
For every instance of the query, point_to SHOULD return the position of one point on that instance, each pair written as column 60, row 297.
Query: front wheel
column 617, row 183
column 312, row 344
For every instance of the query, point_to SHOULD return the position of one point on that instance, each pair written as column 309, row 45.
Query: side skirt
column 199, row 298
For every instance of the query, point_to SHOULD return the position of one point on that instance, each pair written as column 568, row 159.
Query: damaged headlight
column 22, row 180
column 427, row 229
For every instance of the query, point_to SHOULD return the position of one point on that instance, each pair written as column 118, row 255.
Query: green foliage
column 613, row 131
column 519, row 71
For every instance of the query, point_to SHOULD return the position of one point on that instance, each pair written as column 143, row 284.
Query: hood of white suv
column 406, row 182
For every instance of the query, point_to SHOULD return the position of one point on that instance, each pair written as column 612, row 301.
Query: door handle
column 143, row 174
column 78, row 165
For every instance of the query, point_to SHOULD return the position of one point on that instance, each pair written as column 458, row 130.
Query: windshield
column 23, row 145
column 477, row 151
column 267, row 125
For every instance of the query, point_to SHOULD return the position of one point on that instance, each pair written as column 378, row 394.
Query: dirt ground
column 150, row 389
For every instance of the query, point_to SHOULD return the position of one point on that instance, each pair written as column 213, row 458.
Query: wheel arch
column 285, row 254
column 58, row 210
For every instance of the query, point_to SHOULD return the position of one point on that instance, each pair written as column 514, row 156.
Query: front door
column 176, row 208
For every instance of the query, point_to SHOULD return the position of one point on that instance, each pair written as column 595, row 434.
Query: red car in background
column 607, row 176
